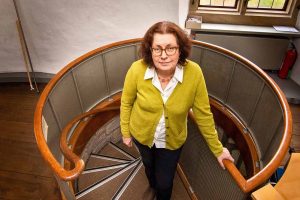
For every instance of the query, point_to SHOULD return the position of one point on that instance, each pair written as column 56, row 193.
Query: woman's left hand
column 225, row 155
column 127, row 141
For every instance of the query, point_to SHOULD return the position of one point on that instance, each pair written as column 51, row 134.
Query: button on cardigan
column 142, row 106
column 160, row 131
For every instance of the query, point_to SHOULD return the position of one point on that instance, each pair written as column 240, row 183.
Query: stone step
column 106, row 177
column 102, row 185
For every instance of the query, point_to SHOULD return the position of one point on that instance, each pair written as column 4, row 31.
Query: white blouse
column 160, row 132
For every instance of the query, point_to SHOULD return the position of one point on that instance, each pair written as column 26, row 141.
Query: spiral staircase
column 76, row 125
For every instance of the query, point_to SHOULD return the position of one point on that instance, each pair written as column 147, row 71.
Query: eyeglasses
column 170, row 51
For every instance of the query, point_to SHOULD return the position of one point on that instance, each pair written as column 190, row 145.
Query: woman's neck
column 165, row 74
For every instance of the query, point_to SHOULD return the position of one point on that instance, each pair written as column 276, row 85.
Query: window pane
column 269, row 4
column 278, row 4
column 218, row 3
column 252, row 4
column 205, row 3
column 230, row 3
column 265, row 4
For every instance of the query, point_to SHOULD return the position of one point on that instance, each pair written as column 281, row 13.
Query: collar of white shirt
column 178, row 73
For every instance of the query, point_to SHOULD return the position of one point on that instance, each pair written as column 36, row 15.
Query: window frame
column 247, row 16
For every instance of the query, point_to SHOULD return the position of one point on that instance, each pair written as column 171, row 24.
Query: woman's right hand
column 127, row 141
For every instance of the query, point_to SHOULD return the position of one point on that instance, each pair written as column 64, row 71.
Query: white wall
column 59, row 31
column 10, row 54
column 183, row 12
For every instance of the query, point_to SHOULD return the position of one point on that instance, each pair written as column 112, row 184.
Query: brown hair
column 163, row 28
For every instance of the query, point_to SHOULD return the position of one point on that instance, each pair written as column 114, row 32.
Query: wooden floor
column 23, row 173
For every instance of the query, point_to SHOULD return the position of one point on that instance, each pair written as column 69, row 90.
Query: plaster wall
column 59, row 31
column 183, row 12
column 11, row 59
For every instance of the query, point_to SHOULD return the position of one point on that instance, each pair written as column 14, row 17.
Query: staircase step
column 144, row 192
column 103, row 161
column 107, row 188
column 108, row 176
column 112, row 150
column 179, row 191
column 86, row 180
column 138, row 188
column 131, row 150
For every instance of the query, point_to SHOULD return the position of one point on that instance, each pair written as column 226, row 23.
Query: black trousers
column 160, row 167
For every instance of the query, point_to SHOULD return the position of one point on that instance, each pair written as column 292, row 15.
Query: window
column 251, row 12
column 252, row 4
column 218, row 3
column 267, row 4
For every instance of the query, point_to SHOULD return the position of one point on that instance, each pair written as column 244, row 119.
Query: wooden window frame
column 247, row 16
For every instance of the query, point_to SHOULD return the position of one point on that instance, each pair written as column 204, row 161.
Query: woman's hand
column 127, row 141
column 225, row 155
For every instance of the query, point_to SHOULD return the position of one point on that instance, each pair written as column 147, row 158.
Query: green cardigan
column 142, row 107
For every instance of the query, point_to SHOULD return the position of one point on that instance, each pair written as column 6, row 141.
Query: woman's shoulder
column 192, row 67
column 139, row 63
column 139, row 66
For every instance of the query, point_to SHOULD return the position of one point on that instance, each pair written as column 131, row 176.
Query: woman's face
column 167, row 60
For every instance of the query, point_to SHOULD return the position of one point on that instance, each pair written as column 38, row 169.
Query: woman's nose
column 163, row 55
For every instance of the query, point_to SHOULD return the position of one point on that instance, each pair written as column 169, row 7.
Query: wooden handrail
column 68, row 175
column 235, row 128
column 245, row 185
column 253, row 182
column 64, row 144
column 38, row 130
column 85, row 130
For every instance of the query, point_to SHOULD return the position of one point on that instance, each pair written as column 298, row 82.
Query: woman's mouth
column 164, row 63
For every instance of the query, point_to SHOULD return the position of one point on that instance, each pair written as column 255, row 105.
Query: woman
column 159, row 90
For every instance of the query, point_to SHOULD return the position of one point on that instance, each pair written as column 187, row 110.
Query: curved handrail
column 245, row 185
column 38, row 130
column 68, row 175
column 268, row 170
column 240, row 127
column 64, row 144
column 55, row 166
column 85, row 129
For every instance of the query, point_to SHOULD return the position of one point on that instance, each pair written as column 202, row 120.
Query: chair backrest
column 288, row 185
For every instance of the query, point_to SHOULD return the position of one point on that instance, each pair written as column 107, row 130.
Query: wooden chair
column 288, row 187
